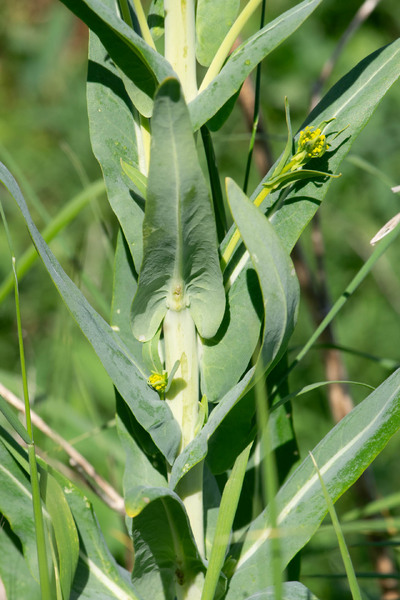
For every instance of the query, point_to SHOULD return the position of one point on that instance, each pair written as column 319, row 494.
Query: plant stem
column 227, row 43
column 180, row 50
column 36, row 500
column 233, row 242
column 144, row 28
column 180, row 342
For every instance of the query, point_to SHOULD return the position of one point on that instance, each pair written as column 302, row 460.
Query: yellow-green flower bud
column 158, row 381
column 312, row 142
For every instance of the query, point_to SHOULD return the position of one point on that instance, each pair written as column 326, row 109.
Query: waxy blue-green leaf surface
column 275, row 270
column 243, row 60
column 352, row 101
column 180, row 254
column 16, row 506
column 143, row 66
column 197, row 449
column 114, row 136
column 344, row 453
column 293, row 590
column 64, row 530
column 14, row 572
column 213, row 21
column 166, row 557
column 153, row 414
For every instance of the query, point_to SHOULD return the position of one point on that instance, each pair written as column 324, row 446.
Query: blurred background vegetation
column 44, row 141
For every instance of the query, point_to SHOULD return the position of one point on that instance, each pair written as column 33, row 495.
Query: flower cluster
column 158, row 381
column 313, row 142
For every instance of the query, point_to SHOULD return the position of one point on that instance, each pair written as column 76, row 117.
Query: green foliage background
column 44, row 140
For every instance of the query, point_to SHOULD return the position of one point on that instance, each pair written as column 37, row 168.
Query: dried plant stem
column 107, row 493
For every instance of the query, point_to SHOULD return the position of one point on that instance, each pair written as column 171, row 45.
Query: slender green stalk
column 228, row 42
column 256, row 115
column 226, row 515
column 36, row 500
column 141, row 17
column 64, row 217
column 351, row 576
column 144, row 28
column 180, row 43
column 351, row 288
column 180, row 343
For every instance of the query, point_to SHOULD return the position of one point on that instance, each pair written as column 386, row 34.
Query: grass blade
column 348, row 565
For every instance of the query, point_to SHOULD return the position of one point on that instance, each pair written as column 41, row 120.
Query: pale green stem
column 180, row 43
column 180, row 342
column 228, row 42
column 144, row 28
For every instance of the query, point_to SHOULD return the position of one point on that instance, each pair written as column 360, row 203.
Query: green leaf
column 153, row 414
column 166, row 557
column 14, row 421
column 143, row 468
column 180, row 263
column 342, row 456
column 137, row 178
column 14, row 572
column 275, row 270
column 225, row 357
column 65, row 532
column 352, row 100
column 291, row 591
column 124, row 289
column 155, row 19
column 16, row 505
column 194, row 452
column 113, row 134
column 242, row 62
column 213, row 21
column 141, row 64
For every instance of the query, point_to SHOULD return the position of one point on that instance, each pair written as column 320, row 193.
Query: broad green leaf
column 124, row 289
column 64, row 529
column 16, row 505
column 14, row 573
column 275, row 270
column 225, row 357
column 352, row 100
column 153, row 414
column 180, row 259
column 167, row 562
column 242, row 62
column 197, row 450
column 293, row 590
column 114, row 137
column 143, row 467
column 141, row 64
column 344, row 453
column 97, row 574
column 213, row 21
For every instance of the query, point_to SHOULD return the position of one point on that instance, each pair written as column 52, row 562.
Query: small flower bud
column 312, row 142
column 158, row 381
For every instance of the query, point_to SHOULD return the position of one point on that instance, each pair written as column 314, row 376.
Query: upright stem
column 180, row 42
column 180, row 342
